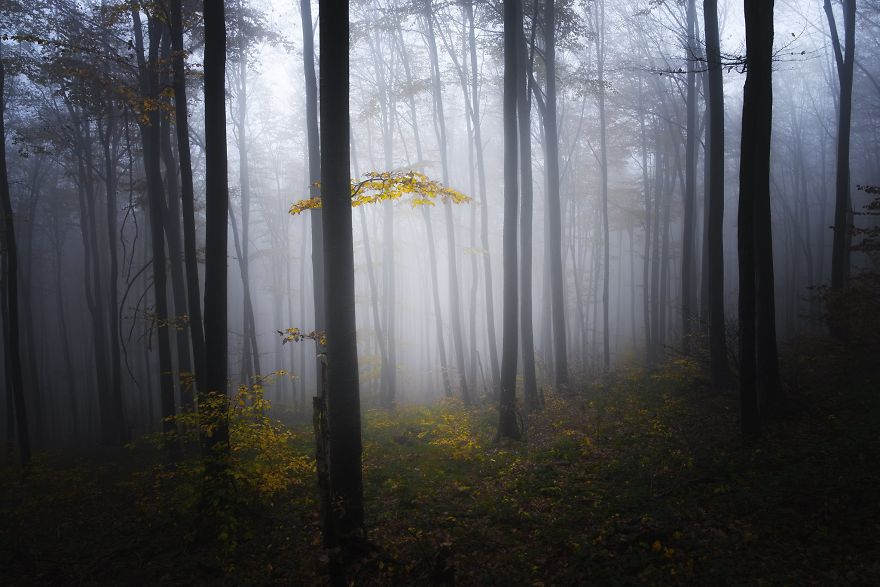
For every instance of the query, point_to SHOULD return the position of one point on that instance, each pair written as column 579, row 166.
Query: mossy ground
column 640, row 478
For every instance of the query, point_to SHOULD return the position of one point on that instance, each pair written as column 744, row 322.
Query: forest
column 438, row 292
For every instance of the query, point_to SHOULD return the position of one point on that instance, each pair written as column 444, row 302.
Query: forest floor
column 642, row 478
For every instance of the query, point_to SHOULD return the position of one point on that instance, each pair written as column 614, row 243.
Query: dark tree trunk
column 171, row 213
column 342, row 390
column 754, row 190
column 187, row 193
column 508, row 426
column 715, row 200
column 150, row 133
column 58, row 242
column 116, row 405
column 12, row 342
column 530, row 385
column 215, row 442
column 842, row 208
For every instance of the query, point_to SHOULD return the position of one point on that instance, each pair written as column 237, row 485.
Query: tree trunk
column 508, row 426
column 150, row 134
column 840, row 256
column 314, row 149
column 343, row 397
column 484, row 210
column 599, row 21
column 715, row 200
column 171, row 213
column 530, row 385
column 187, row 193
column 454, row 293
column 688, row 264
column 249, row 330
column 213, row 404
column 754, row 188
column 12, row 342
column 554, row 209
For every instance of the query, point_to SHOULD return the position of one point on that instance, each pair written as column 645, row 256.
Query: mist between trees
column 474, row 200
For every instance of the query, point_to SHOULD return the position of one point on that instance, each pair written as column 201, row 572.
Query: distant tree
column 148, row 74
column 688, row 256
column 554, row 208
column 314, row 158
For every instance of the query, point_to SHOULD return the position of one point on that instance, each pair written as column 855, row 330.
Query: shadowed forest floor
column 640, row 479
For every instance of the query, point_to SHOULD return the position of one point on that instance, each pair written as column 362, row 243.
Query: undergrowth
column 639, row 479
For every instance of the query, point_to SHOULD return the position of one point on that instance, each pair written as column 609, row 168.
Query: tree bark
column 314, row 151
column 215, row 439
column 507, row 424
column 11, row 312
column 754, row 187
column 187, row 193
column 527, row 345
column 343, row 397
column 840, row 255
column 715, row 200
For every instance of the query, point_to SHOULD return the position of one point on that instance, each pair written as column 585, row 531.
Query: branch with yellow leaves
column 407, row 185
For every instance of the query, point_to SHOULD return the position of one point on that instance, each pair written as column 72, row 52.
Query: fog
column 72, row 109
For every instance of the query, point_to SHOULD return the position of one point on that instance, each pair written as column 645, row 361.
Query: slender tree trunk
column 646, row 253
column 484, row 210
column 454, row 290
column 387, row 398
column 314, row 149
column 12, row 342
column 715, row 200
column 150, row 133
column 429, row 229
column 599, row 22
column 527, row 344
column 840, row 256
column 172, row 230
column 249, row 330
column 194, row 305
column 508, row 426
column 688, row 264
column 554, row 209
column 58, row 237
column 113, row 294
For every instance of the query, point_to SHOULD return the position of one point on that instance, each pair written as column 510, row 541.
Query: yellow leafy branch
column 296, row 335
column 384, row 186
